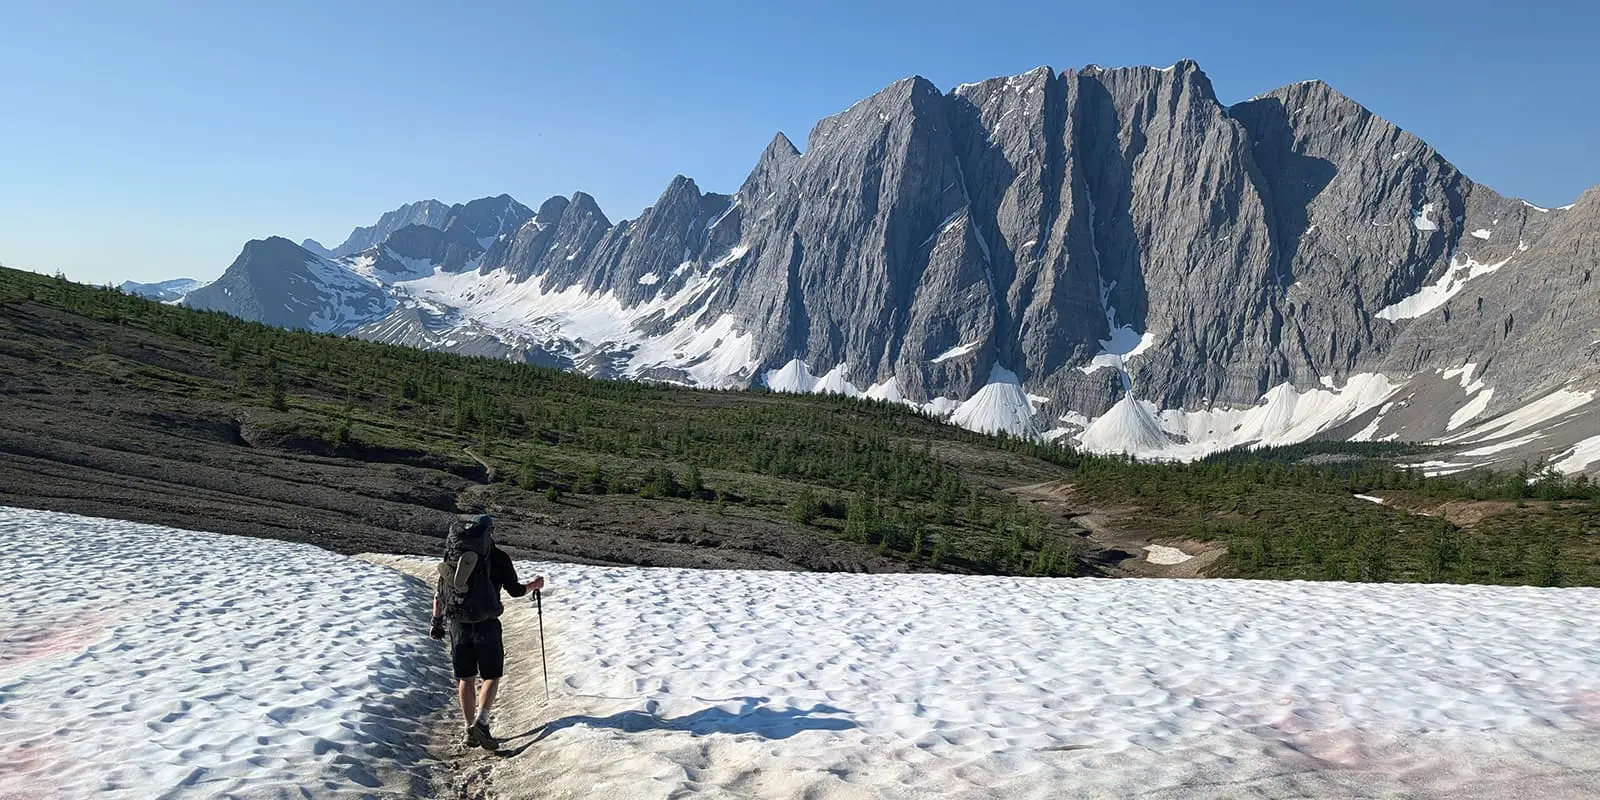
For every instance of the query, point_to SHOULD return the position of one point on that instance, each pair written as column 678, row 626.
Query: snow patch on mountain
column 1129, row 427
column 836, row 381
column 1439, row 292
column 1285, row 415
column 342, row 298
column 1474, row 407
column 794, row 377
column 1553, row 406
column 1001, row 406
column 710, row 352
column 888, row 391
column 954, row 352
column 1579, row 457
column 1125, row 341
column 1423, row 221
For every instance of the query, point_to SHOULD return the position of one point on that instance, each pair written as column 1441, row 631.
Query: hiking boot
column 478, row 735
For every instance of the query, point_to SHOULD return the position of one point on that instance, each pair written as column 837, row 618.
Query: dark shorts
column 476, row 650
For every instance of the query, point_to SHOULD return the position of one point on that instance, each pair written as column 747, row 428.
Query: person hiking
column 467, row 597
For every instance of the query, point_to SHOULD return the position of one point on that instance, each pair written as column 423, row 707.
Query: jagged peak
column 550, row 210
column 780, row 149
column 584, row 203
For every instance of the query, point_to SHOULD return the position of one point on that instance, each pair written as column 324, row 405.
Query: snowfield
column 751, row 684
column 138, row 661
column 136, row 668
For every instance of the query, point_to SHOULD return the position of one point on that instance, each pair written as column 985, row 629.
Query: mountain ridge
column 1095, row 234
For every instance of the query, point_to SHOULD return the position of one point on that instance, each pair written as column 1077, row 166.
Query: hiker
column 467, row 594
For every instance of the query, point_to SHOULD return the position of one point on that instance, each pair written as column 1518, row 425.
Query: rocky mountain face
column 1111, row 256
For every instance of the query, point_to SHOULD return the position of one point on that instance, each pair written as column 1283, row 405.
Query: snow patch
column 1422, row 221
column 1369, row 498
column 1130, row 427
column 1438, row 293
column 1467, row 413
column 649, row 280
column 888, row 391
column 1481, row 234
column 794, row 377
column 1545, row 409
column 1579, row 457
column 1000, row 406
column 1165, row 556
column 954, row 352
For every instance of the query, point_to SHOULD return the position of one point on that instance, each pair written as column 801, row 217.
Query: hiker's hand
column 436, row 630
column 536, row 584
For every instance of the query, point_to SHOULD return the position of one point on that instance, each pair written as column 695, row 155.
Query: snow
column 1369, row 498
column 1465, row 373
column 177, row 671
column 1422, row 221
column 1000, row 406
column 1580, row 457
column 140, row 661
column 955, row 352
column 1481, row 234
column 1125, row 342
column 1439, row 292
column 342, row 298
column 793, row 377
column 888, row 391
column 1284, row 415
column 1436, row 469
column 710, row 351
column 789, row 685
column 733, row 255
column 1165, row 556
column 1368, row 433
column 1543, row 410
column 1509, row 444
column 836, row 381
column 1474, row 407
column 1129, row 427
column 1536, row 208
column 1567, row 207
column 649, row 280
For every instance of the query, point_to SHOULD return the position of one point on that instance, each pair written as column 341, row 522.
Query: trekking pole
column 543, row 662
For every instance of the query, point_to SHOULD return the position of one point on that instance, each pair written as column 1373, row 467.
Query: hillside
column 121, row 407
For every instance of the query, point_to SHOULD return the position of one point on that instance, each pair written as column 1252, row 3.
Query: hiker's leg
column 468, row 698
column 487, row 692
column 491, row 662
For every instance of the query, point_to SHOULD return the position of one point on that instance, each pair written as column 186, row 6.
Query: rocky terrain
column 1111, row 256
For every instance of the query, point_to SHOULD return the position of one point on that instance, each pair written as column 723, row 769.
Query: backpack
column 466, row 584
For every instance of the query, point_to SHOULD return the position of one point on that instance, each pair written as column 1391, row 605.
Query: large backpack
column 466, row 581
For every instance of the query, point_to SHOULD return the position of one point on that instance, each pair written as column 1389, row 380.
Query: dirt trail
column 1114, row 547
column 520, row 713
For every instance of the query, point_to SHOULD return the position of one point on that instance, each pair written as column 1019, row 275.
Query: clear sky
column 150, row 140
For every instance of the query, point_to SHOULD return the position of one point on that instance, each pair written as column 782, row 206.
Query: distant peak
column 780, row 148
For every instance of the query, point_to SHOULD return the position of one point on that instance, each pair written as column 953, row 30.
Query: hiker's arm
column 506, row 573
column 436, row 625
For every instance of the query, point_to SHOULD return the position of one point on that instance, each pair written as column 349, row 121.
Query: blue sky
column 151, row 140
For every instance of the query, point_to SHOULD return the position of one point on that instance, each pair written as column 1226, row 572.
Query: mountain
column 1106, row 256
column 174, row 289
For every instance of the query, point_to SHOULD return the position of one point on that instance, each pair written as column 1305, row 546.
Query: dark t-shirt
column 505, row 573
